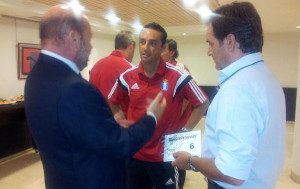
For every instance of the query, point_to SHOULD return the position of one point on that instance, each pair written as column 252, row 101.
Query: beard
column 82, row 56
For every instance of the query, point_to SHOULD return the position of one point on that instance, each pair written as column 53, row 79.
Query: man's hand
column 181, row 160
column 157, row 106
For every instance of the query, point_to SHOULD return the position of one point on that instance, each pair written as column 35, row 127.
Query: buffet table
column 14, row 133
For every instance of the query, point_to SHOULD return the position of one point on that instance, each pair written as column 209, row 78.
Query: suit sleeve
column 88, row 122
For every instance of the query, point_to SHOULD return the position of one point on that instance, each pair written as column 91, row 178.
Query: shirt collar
column 174, row 62
column 119, row 54
column 160, row 71
column 245, row 61
column 68, row 62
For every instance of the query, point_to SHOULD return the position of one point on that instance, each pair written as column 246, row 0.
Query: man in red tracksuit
column 139, row 85
column 106, row 71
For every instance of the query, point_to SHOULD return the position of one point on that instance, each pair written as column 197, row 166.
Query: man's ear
column 172, row 53
column 132, row 45
column 230, row 42
column 74, row 39
column 164, row 46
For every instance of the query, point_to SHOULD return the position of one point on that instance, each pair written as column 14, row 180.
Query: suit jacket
column 80, row 144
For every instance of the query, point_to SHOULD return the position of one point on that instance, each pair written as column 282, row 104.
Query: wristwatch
column 184, row 130
column 190, row 166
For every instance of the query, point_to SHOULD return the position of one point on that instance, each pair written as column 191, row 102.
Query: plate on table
column 7, row 102
column 19, row 98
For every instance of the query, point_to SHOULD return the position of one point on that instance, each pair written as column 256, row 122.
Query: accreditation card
column 186, row 141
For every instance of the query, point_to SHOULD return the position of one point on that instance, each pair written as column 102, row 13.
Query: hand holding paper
column 188, row 141
column 181, row 159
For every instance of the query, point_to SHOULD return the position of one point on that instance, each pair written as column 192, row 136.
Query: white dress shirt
column 245, row 124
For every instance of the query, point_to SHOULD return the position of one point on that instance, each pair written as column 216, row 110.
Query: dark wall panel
column 290, row 100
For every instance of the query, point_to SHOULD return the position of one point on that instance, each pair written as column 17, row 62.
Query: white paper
column 186, row 141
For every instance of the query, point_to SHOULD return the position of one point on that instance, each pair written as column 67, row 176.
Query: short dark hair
column 123, row 39
column 157, row 27
column 172, row 46
column 58, row 27
column 242, row 20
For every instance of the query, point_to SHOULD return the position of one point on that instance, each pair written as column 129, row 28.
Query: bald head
column 59, row 20
column 67, row 33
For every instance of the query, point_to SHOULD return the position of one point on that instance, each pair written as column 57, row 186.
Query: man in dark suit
column 80, row 143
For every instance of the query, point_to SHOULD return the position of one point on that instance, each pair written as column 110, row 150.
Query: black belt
column 212, row 185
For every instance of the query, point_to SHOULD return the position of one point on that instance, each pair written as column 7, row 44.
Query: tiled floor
column 25, row 171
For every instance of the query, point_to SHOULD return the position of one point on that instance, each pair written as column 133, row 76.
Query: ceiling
column 276, row 15
column 165, row 12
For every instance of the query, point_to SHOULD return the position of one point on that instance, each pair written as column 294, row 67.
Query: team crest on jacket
column 164, row 85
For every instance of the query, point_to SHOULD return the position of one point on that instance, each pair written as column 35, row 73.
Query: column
column 295, row 173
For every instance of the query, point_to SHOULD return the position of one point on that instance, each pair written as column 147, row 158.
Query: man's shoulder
column 107, row 59
column 175, row 70
column 48, row 68
column 129, row 76
column 182, row 66
column 114, row 61
column 79, row 86
column 130, row 72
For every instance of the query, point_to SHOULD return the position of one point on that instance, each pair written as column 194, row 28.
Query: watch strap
column 190, row 166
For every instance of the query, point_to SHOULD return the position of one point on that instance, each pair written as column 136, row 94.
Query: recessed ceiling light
column 137, row 25
column 189, row 3
column 76, row 6
column 298, row 27
column 112, row 18
column 184, row 34
column 146, row 2
column 204, row 12
column 98, row 30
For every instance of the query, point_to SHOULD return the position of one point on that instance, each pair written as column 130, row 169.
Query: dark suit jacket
column 80, row 144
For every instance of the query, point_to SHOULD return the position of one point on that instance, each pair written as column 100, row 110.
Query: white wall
column 12, row 32
column 193, row 53
column 102, row 46
column 280, row 51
